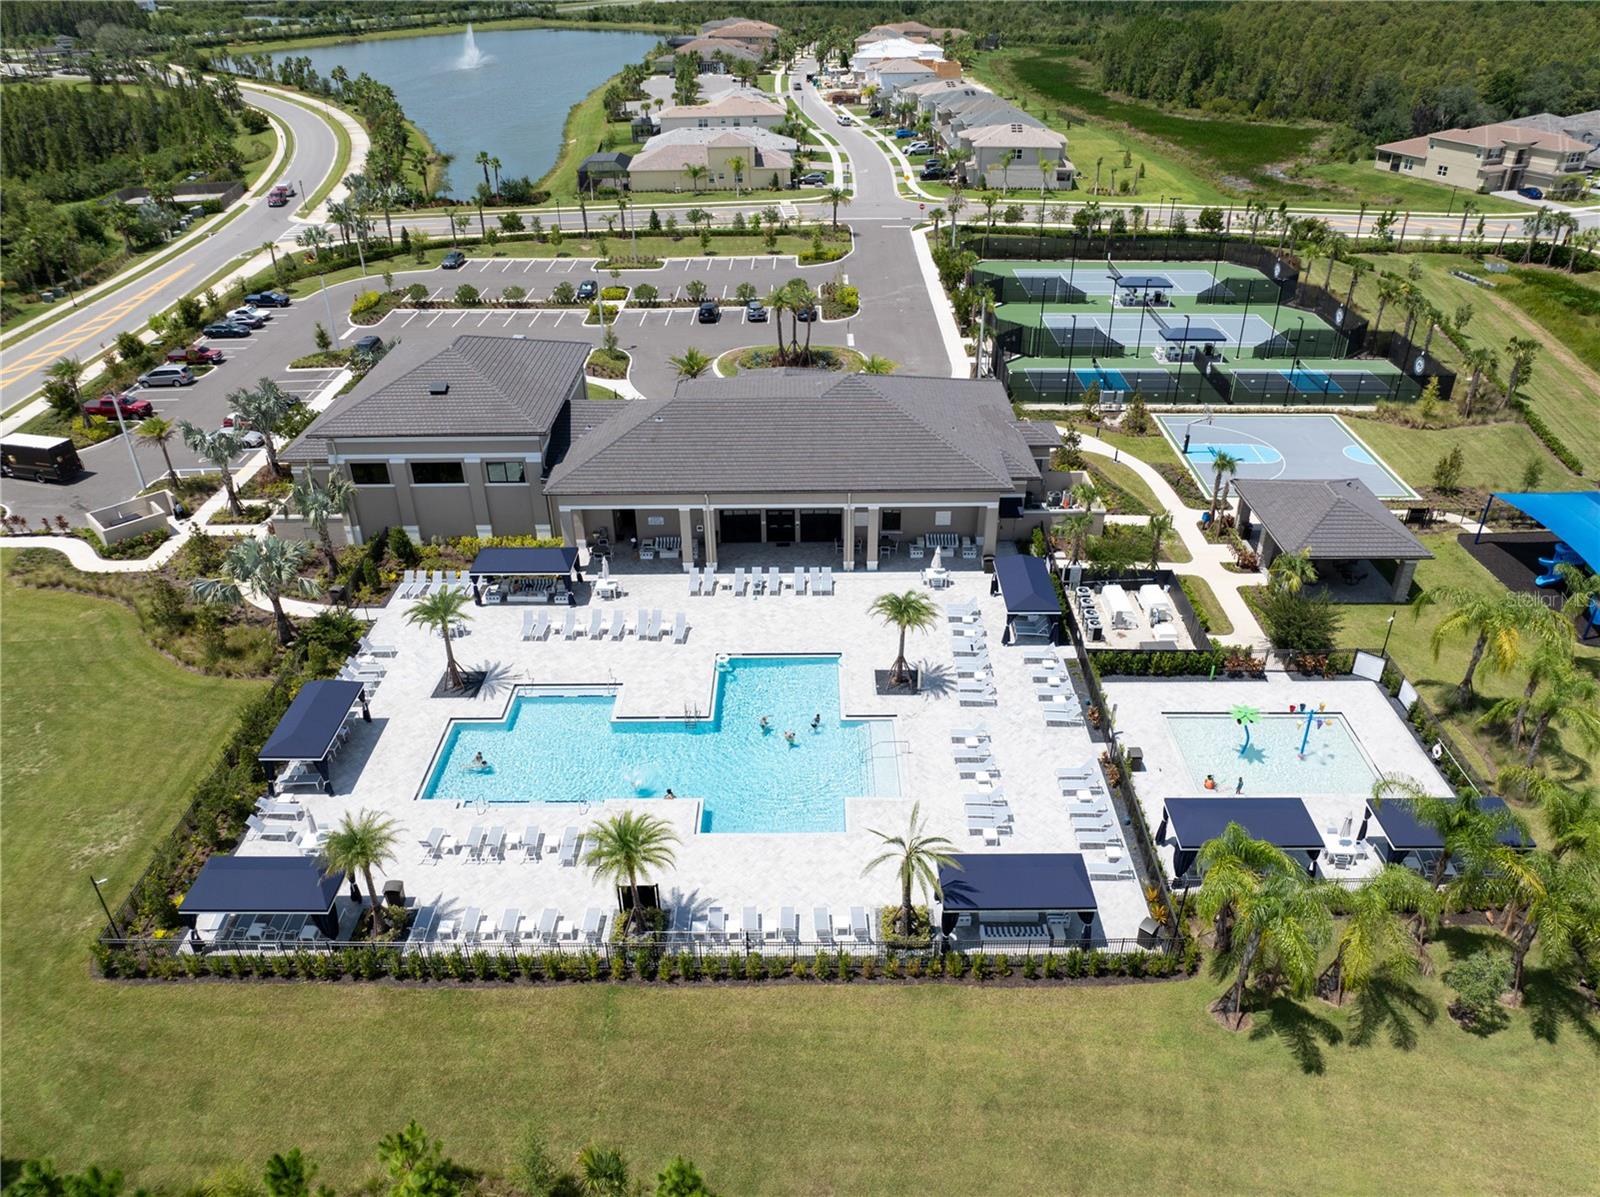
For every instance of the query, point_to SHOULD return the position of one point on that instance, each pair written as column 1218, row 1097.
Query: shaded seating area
column 1188, row 823
column 525, row 575
column 240, row 902
column 1033, row 612
column 1394, row 831
column 300, row 748
column 1016, row 898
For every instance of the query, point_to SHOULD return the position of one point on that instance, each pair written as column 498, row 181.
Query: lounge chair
column 860, row 927
column 1058, row 714
column 571, row 842
column 641, row 623
column 750, row 924
column 408, row 583
column 823, row 582
column 368, row 649
column 655, row 624
column 788, row 925
column 963, row 612
column 971, row 752
column 593, row 919
column 509, row 922
column 741, row 581
column 474, row 842
column 527, row 625
column 822, row 923
column 549, row 922
column 680, row 629
column 619, row 625
column 708, row 581
column 798, row 578
column 469, row 925
column 978, row 696
column 970, row 736
column 967, row 646
column 597, row 624
column 532, row 839
column 433, row 846
column 774, row 580
column 569, row 630
column 694, row 582
column 495, row 846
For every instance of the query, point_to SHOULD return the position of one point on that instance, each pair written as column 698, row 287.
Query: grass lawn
column 1540, row 304
column 1204, row 600
column 584, row 131
column 1494, row 454
column 1364, row 626
column 171, row 1082
column 1361, row 180
column 1126, row 480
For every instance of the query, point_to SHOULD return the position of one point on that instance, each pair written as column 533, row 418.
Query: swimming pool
column 1333, row 763
column 566, row 747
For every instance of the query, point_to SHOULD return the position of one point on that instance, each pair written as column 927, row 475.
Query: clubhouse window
column 503, row 471
column 437, row 473
column 1443, row 170
column 889, row 520
column 370, row 473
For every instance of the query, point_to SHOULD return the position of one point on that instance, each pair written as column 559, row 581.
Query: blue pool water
column 567, row 748
column 1272, row 767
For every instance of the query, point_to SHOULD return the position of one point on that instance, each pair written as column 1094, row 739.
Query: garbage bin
column 394, row 893
column 988, row 563
column 339, row 595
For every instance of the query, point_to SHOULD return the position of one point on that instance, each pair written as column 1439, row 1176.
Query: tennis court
column 1279, row 446
column 1302, row 381
column 1096, row 278
column 1145, row 329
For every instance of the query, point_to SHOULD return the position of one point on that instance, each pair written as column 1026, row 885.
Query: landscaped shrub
column 1480, row 979
column 365, row 302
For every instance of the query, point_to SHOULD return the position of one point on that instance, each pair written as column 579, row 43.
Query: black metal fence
column 1418, row 366
column 1335, row 311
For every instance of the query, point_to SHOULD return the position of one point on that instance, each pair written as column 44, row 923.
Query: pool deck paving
column 386, row 762
column 1140, row 708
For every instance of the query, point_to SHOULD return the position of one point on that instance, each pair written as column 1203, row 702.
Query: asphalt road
column 98, row 322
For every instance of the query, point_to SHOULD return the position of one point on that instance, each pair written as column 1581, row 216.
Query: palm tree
column 917, row 857
column 1285, row 923
column 1522, row 351
column 803, row 299
column 736, row 165
column 627, row 844
column 68, row 371
column 1571, row 698
column 1553, row 901
column 269, row 566
column 1232, row 865
column 159, row 431
column 1374, row 940
column 1548, row 649
column 602, row 1172
column 1479, row 360
column 837, row 196
column 908, row 611
column 319, row 503
column 1160, row 524
column 264, row 409
column 219, row 448
column 955, row 203
column 696, row 172
column 483, row 160
column 1468, row 831
column 1468, row 207
column 1290, row 572
column 876, row 364
column 361, row 843
column 778, row 302
column 1390, row 288
column 1073, row 531
column 440, row 612
column 936, row 214
column 1498, row 620
column 494, row 165
column 691, row 363
column 1221, row 464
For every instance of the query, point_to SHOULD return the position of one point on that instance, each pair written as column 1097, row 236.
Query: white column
column 686, row 534
column 849, row 518
column 991, row 528
column 873, row 524
column 709, row 514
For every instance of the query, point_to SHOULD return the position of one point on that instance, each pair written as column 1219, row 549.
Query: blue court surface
column 1312, row 381
column 1278, row 446
column 1109, row 380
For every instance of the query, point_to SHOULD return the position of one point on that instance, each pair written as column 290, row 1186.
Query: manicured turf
column 1563, row 386
column 798, row 1089
column 1205, row 601
column 1494, row 454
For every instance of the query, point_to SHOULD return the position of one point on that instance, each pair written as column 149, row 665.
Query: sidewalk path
column 1208, row 558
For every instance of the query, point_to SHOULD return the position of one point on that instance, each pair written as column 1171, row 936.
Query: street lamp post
column 1384, row 651
column 110, row 922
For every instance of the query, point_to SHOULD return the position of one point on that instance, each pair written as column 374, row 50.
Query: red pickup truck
column 197, row 355
column 107, row 405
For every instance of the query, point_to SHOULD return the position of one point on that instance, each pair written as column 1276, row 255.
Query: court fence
column 1415, row 363
column 1337, row 312
column 1068, row 385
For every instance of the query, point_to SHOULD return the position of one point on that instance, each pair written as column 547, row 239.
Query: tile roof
column 709, row 47
column 1334, row 519
column 1014, row 133
column 731, row 103
column 1410, row 147
column 806, row 431
column 1491, row 136
column 499, row 386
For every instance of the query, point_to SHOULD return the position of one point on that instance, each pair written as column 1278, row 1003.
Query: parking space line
column 510, row 316
column 642, row 316
column 458, row 319
column 724, row 294
column 486, row 316
column 409, row 319
column 435, row 319
column 850, row 339
column 528, row 265
column 437, row 292
column 505, row 266
column 564, row 314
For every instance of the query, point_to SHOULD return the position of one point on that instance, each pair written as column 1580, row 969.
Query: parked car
column 813, row 178
column 587, row 290
column 755, row 312
column 919, row 147
column 1530, row 193
column 368, row 346
column 902, row 134
column 845, row 119
column 807, row 315
column 250, row 438
column 248, row 317
column 169, row 375
column 797, row 85
column 454, row 260
column 39, row 458
column 109, row 404
column 935, row 170
column 197, row 355
column 268, row 299
column 709, row 312
column 224, row 329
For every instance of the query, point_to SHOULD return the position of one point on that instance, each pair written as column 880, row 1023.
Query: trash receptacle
column 339, row 595
column 394, row 893
column 988, row 563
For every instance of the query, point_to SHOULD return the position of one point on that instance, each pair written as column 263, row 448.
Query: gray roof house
column 1336, row 521
column 797, row 456
column 1582, row 126
column 454, row 442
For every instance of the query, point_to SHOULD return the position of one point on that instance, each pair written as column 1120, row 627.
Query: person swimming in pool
column 478, row 764
column 816, row 721
column 669, row 794
column 789, row 736
column 766, row 724
column 1210, row 782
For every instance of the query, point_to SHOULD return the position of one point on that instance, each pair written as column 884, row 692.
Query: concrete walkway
column 1207, row 558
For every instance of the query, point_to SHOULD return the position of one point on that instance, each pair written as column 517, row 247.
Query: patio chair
column 962, row 612
column 1061, row 715
column 974, row 667
column 967, row 646
column 367, row 648
column 597, row 625
column 971, row 737
column 918, row 551
column 774, row 580
column 495, row 845
column 433, row 846
column 741, row 581
column 527, row 625
column 408, row 583
column 655, row 624
column 641, row 624
column 474, row 842
column 647, row 550
column 619, row 625
column 822, row 923
column 593, row 920
column 708, row 581
column 822, row 582
column 569, row 630
column 860, row 926
column 571, row 842
column 978, row 696
column 750, row 924
column 532, row 840
column 798, row 578
column 969, row 550
column 549, row 922
column 469, row 925
column 680, row 629
column 509, row 922
column 971, row 752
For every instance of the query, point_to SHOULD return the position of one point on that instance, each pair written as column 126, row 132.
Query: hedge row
column 649, row 965
column 1551, row 441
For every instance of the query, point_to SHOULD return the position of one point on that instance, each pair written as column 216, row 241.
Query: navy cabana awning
column 1143, row 282
column 1283, row 822
column 1572, row 515
column 1398, row 824
column 1025, row 585
column 1017, row 881
column 311, row 724
column 524, row 563
column 262, row 885
column 1195, row 332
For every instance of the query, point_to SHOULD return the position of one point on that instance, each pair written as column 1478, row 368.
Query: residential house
column 731, row 110
column 1582, row 126
column 665, row 162
column 801, row 456
column 958, row 115
column 756, row 35
column 894, row 76
column 1498, row 157
column 912, row 31
column 874, row 54
column 710, row 53
column 453, row 443
column 1009, row 155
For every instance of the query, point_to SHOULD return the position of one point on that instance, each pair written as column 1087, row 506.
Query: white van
column 168, row 375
